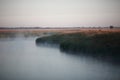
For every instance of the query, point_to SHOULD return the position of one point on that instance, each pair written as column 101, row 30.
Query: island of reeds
column 92, row 42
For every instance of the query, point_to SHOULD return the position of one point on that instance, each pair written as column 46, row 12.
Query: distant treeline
column 58, row 27
column 20, row 27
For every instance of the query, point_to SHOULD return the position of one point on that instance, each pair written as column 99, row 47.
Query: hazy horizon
column 59, row 13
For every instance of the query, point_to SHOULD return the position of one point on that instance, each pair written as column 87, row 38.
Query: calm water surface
column 22, row 59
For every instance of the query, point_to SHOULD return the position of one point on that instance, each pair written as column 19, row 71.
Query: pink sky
column 57, row 13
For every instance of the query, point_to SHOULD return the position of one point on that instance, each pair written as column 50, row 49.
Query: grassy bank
column 13, row 34
column 80, row 42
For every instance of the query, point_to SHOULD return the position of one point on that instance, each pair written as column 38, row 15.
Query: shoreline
column 85, row 42
column 62, row 30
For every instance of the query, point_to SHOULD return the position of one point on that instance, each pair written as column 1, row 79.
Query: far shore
column 62, row 30
column 21, row 32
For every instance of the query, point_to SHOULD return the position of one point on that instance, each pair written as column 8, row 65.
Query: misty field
column 72, row 39
column 39, row 32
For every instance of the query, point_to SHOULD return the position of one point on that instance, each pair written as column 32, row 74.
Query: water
column 22, row 59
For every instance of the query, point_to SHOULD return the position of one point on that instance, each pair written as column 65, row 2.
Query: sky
column 59, row 13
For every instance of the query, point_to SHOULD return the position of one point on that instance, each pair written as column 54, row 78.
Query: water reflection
column 22, row 59
column 111, row 59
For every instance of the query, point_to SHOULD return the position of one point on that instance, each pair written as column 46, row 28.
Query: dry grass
column 67, row 30
column 39, row 32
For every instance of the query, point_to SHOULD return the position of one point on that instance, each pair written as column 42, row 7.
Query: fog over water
column 22, row 59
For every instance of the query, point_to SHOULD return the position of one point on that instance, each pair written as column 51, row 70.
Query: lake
column 22, row 59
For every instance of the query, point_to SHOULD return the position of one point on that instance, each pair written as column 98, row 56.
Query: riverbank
column 87, row 42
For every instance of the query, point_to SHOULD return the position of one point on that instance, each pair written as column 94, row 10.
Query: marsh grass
column 12, row 34
column 79, row 42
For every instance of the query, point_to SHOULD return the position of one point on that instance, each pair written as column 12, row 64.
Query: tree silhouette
column 111, row 27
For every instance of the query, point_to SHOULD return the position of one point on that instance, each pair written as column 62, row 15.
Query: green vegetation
column 10, row 34
column 79, row 42
column 7, row 34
